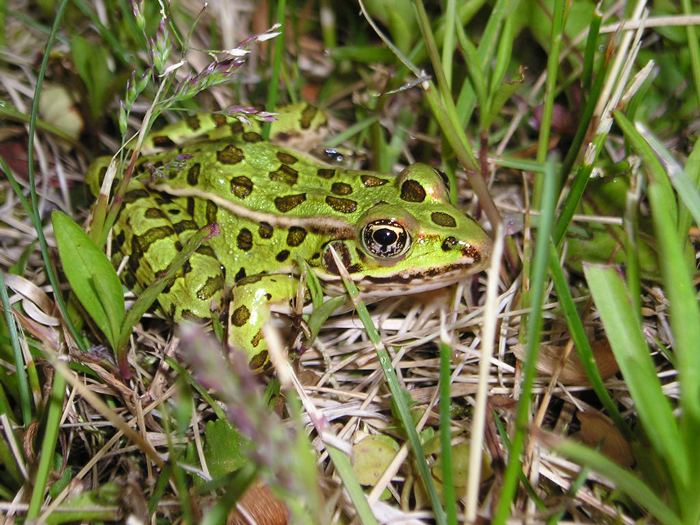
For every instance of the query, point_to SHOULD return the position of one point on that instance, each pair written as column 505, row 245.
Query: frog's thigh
column 254, row 298
column 154, row 235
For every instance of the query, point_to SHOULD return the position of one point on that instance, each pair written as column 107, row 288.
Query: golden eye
column 386, row 238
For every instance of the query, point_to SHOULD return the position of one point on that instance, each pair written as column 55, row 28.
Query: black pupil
column 385, row 236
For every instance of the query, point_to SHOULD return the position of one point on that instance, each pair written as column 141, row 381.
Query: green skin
column 396, row 235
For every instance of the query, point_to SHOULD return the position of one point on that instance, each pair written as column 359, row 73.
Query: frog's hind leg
column 255, row 298
column 152, row 230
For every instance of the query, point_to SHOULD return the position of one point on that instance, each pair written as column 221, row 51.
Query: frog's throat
column 339, row 229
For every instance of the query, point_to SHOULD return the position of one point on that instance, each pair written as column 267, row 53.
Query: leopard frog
column 396, row 235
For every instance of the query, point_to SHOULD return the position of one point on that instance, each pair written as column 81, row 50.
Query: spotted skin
column 275, row 206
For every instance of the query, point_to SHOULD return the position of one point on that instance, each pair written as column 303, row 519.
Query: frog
column 277, row 206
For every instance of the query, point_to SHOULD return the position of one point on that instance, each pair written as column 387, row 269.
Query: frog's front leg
column 255, row 299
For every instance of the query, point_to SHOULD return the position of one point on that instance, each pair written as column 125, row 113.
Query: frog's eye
column 386, row 238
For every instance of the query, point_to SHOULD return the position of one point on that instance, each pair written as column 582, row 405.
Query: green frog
column 396, row 235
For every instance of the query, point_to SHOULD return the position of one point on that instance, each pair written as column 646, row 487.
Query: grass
column 522, row 104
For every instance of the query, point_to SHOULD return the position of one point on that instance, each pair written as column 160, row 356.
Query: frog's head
column 412, row 239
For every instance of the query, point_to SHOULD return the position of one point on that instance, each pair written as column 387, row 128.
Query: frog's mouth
column 407, row 281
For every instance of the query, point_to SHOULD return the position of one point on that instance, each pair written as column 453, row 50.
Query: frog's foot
column 255, row 299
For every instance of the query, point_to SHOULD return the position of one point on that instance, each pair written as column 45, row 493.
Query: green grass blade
column 25, row 396
column 48, row 445
column 693, row 47
column 397, row 393
column 578, row 334
column 686, row 188
column 36, row 219
column 446, row 435
column 591, row 48
column 278, row 48
column 624, row 331
column 684, row 311
column 692, row 168
column 624, row 479
column 533, row 334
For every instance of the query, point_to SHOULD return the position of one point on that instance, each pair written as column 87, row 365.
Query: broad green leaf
column 372, row 456
column 224, row 448
column 85, row 265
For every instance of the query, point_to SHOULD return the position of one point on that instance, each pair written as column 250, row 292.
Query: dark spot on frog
column 185, row 225
column 255, row 341
column 252, row 136
column 213, row 285
column 211, row 212
column 155, row 213
column 230, row 155
column 241, row 186
column 445, row 178
column 260, row 360
column 412, row 191
column 370, row 181
column 341, row 205
column 167, row 289
column 315, row 256
column 282, row 256
column 472, row 252
column 285, row 174
column 141, row 243
column 134, row 195
column 341, row 188
column 190, row 315
column 240, row 275
column 250, row 280
column 163, row 141
column 193, row 123
column 190, row 206
column 130, row 280
column 443, row 219
column 326, row 173
column 329, row 262
column 236, row 128
column 288, row 203
column 286, row 158
column 266, row 230
column 296, row 236
column 219, row 120
column 163, row 199
column 193, row 174
column 240, row 316
column 355, row 268
column 307, row 116
column 245, row 239
column 207, row 251
column 448, row 244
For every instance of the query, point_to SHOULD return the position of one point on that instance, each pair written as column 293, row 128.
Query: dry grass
column 124, row 433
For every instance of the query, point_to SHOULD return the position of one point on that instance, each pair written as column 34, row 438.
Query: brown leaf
column 573, row 372
column 259, row 504
column 596, row 429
